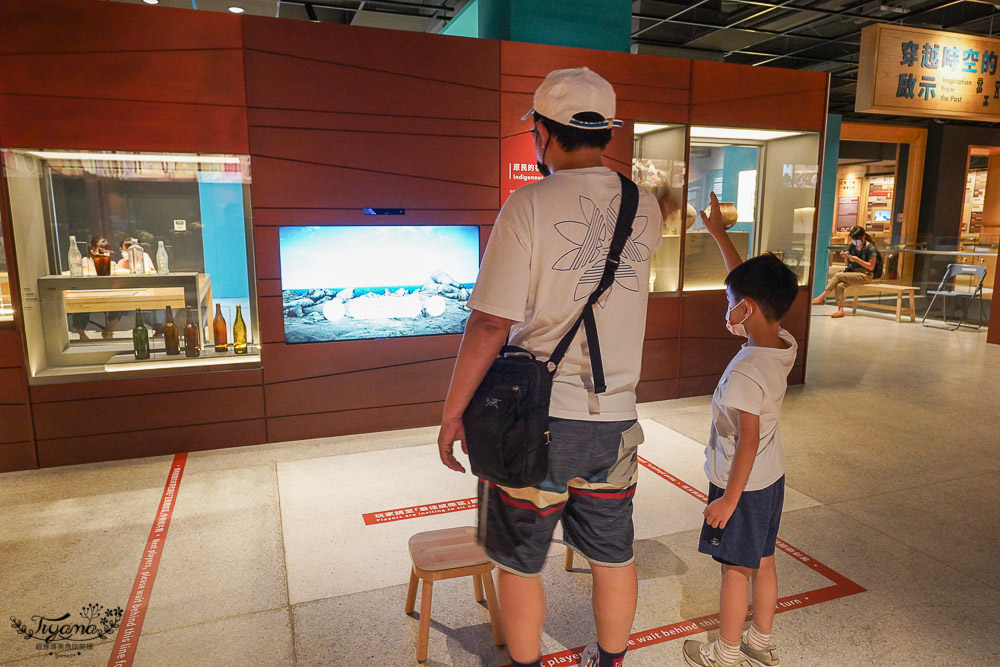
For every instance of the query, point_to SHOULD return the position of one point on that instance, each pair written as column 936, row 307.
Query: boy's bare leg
column 765, row 594
column 616, row 591
column 733, row 602
column 522, row 612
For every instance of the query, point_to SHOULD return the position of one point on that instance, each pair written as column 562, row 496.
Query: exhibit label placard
column 911, row 72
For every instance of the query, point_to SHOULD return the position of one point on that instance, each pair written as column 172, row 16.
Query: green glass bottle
column 239, row 333
column 140, row 337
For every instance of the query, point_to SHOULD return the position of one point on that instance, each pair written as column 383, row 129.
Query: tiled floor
column 892, row 450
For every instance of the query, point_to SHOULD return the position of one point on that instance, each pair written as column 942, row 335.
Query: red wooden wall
column 336, row 119
column 101, row 75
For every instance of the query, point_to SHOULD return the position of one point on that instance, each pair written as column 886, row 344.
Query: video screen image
column 358, row 282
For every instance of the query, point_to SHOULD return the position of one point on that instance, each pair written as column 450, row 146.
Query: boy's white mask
column 738, row 329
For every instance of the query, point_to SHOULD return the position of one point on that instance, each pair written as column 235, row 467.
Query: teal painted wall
column 828, row 192
column 465, row 23
column 223, row 234
column 591, row 24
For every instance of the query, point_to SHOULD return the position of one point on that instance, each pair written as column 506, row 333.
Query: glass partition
column 6, row 307
column 131, row 261
column 658, row 165
column 766, row 181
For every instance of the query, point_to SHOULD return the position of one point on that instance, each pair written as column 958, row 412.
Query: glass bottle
column 171, row 336
column 136, row 259
column 239, row 333
column 161, row 258
column 219, row 329
column 74, row 258
column 192, row 346
column 140, row 337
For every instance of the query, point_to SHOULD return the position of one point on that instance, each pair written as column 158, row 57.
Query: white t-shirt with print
column 754, row 382
column 543, row 261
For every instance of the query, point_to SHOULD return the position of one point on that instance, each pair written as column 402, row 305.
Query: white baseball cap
column 567, row 92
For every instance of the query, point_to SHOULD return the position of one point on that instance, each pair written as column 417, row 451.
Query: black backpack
column 877, row 272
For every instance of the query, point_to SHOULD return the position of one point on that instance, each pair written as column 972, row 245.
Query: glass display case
column 658, row 165
column 767, row 179
column 6, row 307
column 131, row 261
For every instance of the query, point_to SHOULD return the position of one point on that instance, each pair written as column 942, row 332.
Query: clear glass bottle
column 74, row 258
column 162, row 260
column 239, row 333
column 140, row 337
column 136, row 260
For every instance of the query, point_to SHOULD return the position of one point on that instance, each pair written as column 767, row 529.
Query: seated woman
column 860, row 258
column 123, row 265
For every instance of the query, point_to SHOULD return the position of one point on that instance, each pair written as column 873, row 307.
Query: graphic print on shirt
column 591, row 239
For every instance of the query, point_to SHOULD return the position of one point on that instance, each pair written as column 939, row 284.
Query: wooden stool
column 446, row 554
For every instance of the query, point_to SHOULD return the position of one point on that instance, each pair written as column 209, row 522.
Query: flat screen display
column 386, row 281
column 881, row 215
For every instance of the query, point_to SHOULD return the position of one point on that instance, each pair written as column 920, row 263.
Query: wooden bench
column 878, row 288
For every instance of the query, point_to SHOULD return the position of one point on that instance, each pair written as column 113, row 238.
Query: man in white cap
column 544, row 258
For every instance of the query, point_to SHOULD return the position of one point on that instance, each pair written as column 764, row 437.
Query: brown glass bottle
column 239, row 333
column 171, row 336
column 219, row 329
column 192, row 344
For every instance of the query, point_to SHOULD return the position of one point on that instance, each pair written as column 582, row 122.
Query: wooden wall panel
column 284, row 363
column 15, row 423
column 347, row 422
column 385, row 130
column 657, row 390
column 57, row 26
column 663, row 317
column 158, row 441
column 126, row 415
column 417, row 382
column 171, row 81
column 13, row 387
column 17, row 456
column 764, row 97
column 659, row 359
column 167, row 384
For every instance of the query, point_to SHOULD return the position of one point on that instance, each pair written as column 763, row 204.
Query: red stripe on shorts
column 524, row 504
column 627, row 493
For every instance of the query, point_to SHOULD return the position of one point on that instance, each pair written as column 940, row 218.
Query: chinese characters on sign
column 927, row 73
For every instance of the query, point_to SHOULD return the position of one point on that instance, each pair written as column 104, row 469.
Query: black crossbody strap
column 623, row 230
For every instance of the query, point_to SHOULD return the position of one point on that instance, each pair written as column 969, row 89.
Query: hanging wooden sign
column 912, row 72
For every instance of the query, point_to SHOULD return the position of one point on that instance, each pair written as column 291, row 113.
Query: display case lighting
column 134, row 157
column 698, row 132
column 152, row 2
column 237, row 10
column 646, row 128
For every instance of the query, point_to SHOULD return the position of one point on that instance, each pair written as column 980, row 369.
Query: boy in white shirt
column 744, row 459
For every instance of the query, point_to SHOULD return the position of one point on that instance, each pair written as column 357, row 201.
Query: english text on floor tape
column 417, row 511
column 127, row 640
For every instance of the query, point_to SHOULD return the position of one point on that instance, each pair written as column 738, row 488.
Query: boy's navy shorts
column 751, row 532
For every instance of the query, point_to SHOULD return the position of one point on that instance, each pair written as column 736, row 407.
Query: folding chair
column 955, row 270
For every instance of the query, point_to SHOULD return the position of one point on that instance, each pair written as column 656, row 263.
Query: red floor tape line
column 135, row 612
column 843, row 587
column 417, row 511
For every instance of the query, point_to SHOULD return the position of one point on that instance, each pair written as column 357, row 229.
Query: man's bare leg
column 616, row 590
column 522, row 611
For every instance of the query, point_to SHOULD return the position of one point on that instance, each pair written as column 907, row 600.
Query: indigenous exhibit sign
column 909, row 72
